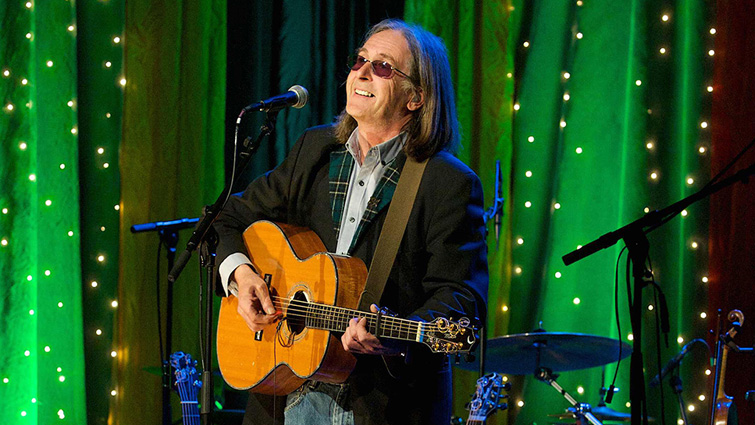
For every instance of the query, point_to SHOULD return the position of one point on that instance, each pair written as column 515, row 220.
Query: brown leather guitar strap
column 392, row 232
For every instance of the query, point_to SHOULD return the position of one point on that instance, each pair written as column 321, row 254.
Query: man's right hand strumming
column 255, row 305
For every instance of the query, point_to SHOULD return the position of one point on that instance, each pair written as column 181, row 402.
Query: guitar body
column 278, row 360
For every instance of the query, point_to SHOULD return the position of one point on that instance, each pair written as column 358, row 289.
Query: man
column 338, row 181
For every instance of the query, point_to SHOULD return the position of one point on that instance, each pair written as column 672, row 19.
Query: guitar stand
column 581, row 410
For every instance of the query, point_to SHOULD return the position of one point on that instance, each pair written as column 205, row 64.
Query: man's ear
column 417, row 100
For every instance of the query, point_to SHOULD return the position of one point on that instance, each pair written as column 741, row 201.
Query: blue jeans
column 318, row 404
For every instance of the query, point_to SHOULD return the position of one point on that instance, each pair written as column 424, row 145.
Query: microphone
column 297, row 96
column 673, row 363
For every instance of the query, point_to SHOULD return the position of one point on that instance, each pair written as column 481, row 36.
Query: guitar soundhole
column 295, row 317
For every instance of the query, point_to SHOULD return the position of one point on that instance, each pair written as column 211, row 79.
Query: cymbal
column 558, row 351
column 603, row 413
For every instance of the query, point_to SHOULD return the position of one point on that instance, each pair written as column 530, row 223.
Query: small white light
column 694, row 245
column 71, row 28
column 60, row 305
column 705, row 279
column 662, row 50
column 61, row 414
column 654, row 175
column 113, row 353
column 62, row 166
column 579, row 3
column 691, row 407
column 5, row 210
column 34, row 400
column 703, row 315
column 47, row 273
column 576, row 301
column 23, row 413
column 680, row 421
column 100, row 151
column 122, row 82
column 50, row 64
column 578, row 150
column 29, row 278
column 27, row 353
column 100, row 258
column 23, row 146
column 579, row 246
column 579, row 35
column 98, row 332
column 638, row 83
column 527, row 204
column 33, row 177
column 70, row 103
column 562, row 124
column 684, row 213
column 704, row 124
column 690, row 180
column 566, row 97
column 520, row 241
column 74, row 130
column 557, row 206
column 509, row 75
column 516, row 106
column 9, row 107
column 106, row 165
column 701, row 397
column 31, row 312
column 108, row 115
column 526, row 44
column 566, row 75
column 114, row 303
column 650, row 307
column 28, row 5
column 680, row 340
column 4, row 242
column 48, row 202
column 707, row 372
column 117, row 207
column 520, row 403
column 116, row 39
column 711, row 52
column 61, row 378
column 528, row 173
column 108, row 64
column 6, row 380
column 113, row 393
column 649, row 145
column 94, row 284
column 70, row 233
column 665, row 18
column 712, row 31
column 24, row 81
column 558, row 275
column 531, row 139
column 505, row 308
column 47, row 349
column 518, row 270
column 710, row 89
column 6, row 73
column 102, row 229
column 630, row 337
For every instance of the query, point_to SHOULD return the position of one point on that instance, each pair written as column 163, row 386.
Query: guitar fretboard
column 332, row 318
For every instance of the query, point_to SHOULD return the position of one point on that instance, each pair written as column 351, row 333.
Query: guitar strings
column 324, row 314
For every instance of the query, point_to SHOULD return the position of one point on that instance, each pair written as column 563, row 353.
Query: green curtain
column 605, row 94
column 171, row 166
column 41, row 360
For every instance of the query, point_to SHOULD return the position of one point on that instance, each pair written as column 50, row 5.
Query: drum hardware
column 581, row 411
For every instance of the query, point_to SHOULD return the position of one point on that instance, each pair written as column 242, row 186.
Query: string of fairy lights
column 93, row 162
column 699, row 146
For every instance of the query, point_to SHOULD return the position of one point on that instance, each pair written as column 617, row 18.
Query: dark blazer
column 440, row 268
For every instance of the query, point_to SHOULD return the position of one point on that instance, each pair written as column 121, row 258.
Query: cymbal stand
column 581, row 410
column 675, row 382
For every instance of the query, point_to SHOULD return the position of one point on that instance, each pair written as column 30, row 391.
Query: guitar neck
column 332, row 318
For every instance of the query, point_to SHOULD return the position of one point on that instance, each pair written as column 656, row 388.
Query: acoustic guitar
column 318, row 293
column 187, row 385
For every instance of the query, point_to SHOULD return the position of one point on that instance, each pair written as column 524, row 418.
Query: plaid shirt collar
column 341, row 165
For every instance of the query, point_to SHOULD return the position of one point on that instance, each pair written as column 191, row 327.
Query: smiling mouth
column 364, row 93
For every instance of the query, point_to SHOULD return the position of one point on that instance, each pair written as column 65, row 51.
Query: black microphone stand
column 634, row 235
column 201, row 234
column 675, row 382
column 168, row 233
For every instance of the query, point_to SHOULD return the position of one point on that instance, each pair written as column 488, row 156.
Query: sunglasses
column 380, row 68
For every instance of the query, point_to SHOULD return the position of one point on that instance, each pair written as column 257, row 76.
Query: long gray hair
column 434, row 126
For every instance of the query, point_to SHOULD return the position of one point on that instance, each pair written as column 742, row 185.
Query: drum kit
column 544, row 353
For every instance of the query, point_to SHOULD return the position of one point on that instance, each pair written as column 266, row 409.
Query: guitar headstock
column 449, row 337
column 487, row 397
column 185, row 366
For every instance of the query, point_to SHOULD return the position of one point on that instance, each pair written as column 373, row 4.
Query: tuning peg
column 503, row 406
